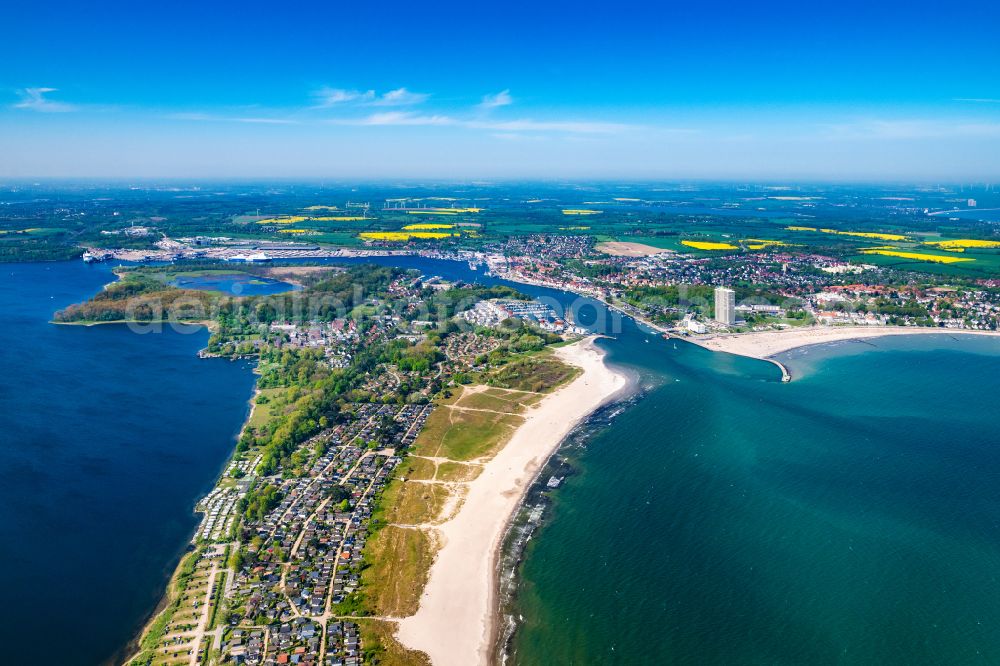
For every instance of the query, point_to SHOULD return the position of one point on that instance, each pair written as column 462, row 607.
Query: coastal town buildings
column 282, row 547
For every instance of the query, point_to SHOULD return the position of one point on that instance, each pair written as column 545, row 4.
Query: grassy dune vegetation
column 420, row 469
column 381, row 646
column 401, row 558
column 539, row 373
column 466, row 428
column 457, row 471
column 413, row 502
column 465, row 435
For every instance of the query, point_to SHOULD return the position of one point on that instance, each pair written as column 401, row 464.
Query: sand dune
column 455, row 622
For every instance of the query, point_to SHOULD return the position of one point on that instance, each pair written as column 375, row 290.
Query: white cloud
column 400, row 97
column 400, row 118
column 327, row 97
column 403, row 118
column 499, row 99
column 407, row 118
column 35, row 99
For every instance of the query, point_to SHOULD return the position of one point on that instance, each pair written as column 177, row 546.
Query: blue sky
column 767, row 90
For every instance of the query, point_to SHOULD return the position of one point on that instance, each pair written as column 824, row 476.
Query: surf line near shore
column 457, row 619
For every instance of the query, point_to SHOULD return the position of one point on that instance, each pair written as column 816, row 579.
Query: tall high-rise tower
column 725, row 306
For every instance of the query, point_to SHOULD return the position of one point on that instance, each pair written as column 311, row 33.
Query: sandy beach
column 455, row 622
column 767, row 344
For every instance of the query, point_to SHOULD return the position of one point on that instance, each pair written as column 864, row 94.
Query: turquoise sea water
column 849, row 517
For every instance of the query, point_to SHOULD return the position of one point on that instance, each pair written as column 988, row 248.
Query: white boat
column 249, row 258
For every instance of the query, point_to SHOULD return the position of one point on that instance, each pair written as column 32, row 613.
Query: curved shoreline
column 133, row 648
column 511, row 555
column 456, row 622
column 765, row 345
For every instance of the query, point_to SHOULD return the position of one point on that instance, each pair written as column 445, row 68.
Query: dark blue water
column 107, row 439
column 986, row 214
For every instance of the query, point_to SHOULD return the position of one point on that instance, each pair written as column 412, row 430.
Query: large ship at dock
column 94, row 257
column 256, row 258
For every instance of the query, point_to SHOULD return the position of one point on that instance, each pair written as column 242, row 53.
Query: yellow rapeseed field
column 761, row 243
column 403, row 236
column 425, row 227
column 934, row 258
column 284, row 219
column 858, row 234
column 704, row 245
column 962, row 243
column 430, row 234
column 338, row 218
column 431, row 212
column 321, row 208
column 574, row 228
column 385, row 235
column 581, row 211
column 866, row 234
